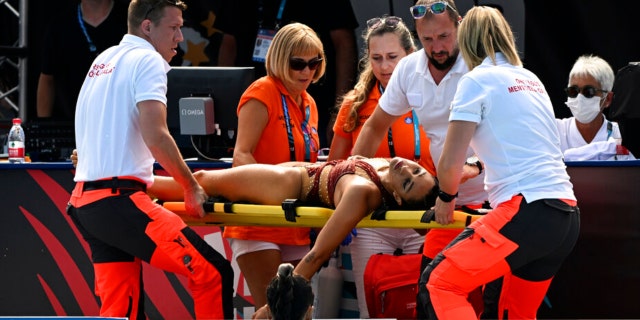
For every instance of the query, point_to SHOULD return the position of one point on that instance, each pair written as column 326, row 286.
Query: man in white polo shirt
column 121, row 131
column 426, row 81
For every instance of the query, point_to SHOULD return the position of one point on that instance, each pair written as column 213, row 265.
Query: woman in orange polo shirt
column 386, row 41
column 277, row 122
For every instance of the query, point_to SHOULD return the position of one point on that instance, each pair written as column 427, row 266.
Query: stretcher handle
column 423, row 217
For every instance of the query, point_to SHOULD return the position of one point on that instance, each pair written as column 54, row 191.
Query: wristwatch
column 445, row 197
column 474, row 162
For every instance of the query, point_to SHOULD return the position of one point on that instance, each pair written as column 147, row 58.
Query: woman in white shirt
column 588, row 135
column 504, row 113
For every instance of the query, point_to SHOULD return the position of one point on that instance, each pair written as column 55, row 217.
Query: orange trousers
column 525, row 243
column 127, row 227
column 434, row 242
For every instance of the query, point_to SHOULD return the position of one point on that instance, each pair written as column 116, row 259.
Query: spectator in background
column 333, row 20
column 204, row 24
column 71, row 42
column 277, row 122
column 386, row 41
column 588, row 135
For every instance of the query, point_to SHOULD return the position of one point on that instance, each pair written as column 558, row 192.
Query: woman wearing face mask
column 588, row 135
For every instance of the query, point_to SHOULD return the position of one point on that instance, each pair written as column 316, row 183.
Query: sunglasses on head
column 176, row 3
column 391, row 21
column 299, row 64
column 587, row 91
column 420, row 10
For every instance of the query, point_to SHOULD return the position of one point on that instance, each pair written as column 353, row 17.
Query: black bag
column 625, row 107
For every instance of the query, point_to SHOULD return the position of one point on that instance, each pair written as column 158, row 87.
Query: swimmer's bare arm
column 358, row 198
column 355, row 197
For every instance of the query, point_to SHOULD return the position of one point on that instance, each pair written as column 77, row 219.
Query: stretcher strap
column 209, row 205
column 379, row 214
column 429, row 216
column 289, row 206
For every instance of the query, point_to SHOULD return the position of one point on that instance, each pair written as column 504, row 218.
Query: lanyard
column 278, row 17
column 416, row 134
column 92, row 47
column 305, row 132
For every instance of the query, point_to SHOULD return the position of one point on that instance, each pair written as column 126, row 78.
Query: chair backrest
column 625, row 107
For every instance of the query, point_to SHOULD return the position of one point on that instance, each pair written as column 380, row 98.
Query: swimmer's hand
column 262, row 313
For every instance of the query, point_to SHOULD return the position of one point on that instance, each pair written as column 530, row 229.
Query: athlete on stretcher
column 354, row 188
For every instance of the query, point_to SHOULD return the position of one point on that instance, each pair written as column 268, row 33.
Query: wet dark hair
column 425, row 203
column 289, row 296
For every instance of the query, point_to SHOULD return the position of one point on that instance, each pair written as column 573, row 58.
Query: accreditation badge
column 263, row 41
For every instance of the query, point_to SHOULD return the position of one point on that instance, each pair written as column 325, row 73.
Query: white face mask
column 584, row 109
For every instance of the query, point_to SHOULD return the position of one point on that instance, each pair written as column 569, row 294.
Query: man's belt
column 115, row 184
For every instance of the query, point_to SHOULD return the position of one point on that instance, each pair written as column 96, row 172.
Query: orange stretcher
column 292, row 214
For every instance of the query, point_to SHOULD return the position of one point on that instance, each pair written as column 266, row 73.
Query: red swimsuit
column 338, row 168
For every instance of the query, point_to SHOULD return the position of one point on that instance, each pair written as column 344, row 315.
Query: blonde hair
column 291, row 40
column 482, row 33
column 366, row 80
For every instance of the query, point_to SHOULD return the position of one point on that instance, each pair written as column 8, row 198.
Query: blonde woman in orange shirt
column 277, row 122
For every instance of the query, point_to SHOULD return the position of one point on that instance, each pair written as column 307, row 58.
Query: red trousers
column 434, row 242
column 127, row 227
column 525, row 243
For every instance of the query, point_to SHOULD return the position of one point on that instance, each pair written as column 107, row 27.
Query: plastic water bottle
column 329, row 291
column 622, row 153
column 15, row 142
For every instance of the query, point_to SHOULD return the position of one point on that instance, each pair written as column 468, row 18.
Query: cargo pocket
column 481, row 250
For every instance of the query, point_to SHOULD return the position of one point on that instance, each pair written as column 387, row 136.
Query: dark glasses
column 391, row 21
column 299, row 64
column 176, row 3
column 587, row 91
column 419, row 11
